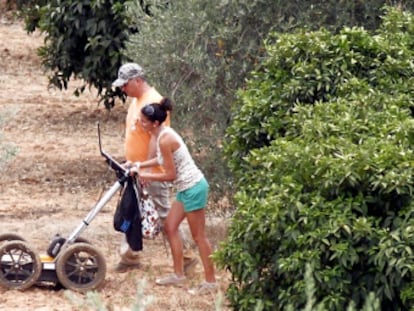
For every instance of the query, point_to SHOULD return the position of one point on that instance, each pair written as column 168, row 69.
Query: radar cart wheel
column 57, row 243
column 81, row 267
column 10, row 237
column 20, row 266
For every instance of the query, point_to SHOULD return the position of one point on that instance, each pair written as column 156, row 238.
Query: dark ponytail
column 166, row 104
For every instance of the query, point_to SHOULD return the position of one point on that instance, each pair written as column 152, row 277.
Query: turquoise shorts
column 194, row 198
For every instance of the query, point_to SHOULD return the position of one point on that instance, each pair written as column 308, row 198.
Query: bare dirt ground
column 58, row 175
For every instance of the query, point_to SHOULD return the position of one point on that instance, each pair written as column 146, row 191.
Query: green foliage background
column 321, row 147
column 319, row 140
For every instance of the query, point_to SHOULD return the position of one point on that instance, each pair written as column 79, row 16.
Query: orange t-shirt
column 136, row 139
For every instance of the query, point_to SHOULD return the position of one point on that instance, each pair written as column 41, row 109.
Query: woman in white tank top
column 191, row 198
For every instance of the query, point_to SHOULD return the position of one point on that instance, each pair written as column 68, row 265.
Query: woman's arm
column 148, row 163
column 168, row 144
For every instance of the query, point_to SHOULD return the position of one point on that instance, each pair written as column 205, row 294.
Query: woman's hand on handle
column 134, row 168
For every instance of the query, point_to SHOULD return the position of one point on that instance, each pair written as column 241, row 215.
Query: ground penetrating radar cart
column 71, row 262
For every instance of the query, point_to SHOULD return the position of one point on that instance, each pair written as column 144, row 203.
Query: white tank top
column 188, row 174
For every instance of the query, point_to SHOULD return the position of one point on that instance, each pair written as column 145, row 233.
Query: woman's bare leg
column 196, row 221
column 171, row 224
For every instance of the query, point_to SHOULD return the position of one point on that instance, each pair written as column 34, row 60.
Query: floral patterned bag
column 150, row 219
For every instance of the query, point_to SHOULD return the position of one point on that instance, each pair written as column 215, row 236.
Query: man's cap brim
column 119, row 82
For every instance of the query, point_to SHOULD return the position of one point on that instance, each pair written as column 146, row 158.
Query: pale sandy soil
column 58, row 176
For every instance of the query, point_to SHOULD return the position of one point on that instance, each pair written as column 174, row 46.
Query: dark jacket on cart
column 127, row 217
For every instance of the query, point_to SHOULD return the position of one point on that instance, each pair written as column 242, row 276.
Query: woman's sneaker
column 171, row 279
column 204, row 288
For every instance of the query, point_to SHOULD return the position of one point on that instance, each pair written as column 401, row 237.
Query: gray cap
column 127, row 72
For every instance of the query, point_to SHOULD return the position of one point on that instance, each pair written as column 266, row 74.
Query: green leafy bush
column 321, row 144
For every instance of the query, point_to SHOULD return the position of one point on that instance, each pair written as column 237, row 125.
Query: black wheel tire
column 82, row 240
column 10, row 237
column 81, row 267
column 20, row 266
column 58, row 241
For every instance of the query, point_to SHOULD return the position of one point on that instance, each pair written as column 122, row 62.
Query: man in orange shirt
column 139, row 146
